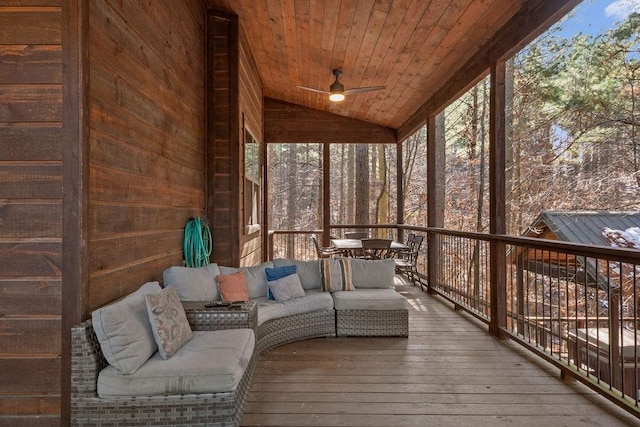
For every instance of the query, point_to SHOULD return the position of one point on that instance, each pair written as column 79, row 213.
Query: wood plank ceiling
column 409, row 46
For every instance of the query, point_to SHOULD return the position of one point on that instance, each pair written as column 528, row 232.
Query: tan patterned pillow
column 336, row 275
column 169, row 322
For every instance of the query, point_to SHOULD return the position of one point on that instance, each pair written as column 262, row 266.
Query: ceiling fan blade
column 313, row 89
column 362, row 89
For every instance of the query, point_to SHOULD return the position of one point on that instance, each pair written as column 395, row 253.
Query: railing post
column 270, row 244
column 433, row 260
column 615, row 363
column 520, row 292
column 498, row 280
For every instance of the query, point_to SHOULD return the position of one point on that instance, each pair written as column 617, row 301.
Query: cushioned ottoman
column 371, row 312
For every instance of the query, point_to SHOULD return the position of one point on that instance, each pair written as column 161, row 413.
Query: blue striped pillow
column 278, row 273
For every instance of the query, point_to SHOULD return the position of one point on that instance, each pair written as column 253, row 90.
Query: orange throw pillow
column 233, row 287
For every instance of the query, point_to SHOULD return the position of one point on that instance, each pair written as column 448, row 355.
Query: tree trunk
column 342, row 201
column 382, row 201
column 292, row 197
column 362, row 184
column 350, row 169
column 508, row 131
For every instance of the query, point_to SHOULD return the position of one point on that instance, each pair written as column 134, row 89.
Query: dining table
column 351, row 246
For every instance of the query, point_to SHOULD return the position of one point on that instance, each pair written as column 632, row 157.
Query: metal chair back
column 321, row 251
column 356, row 235
column 376, row 248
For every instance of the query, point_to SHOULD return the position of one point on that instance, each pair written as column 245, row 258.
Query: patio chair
column 398, row 252
column 376, row 248
column 324, row 251
column 356, row 235
column 407, row 263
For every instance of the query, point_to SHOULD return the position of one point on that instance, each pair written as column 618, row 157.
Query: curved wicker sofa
column 87, row 408
column 226, row 409
column 298, row 327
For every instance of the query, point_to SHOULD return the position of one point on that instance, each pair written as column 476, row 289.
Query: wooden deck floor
column 449, row 372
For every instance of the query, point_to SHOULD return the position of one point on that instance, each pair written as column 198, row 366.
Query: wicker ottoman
column 371, row 312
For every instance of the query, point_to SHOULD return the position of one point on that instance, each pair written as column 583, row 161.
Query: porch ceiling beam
column 531, row 21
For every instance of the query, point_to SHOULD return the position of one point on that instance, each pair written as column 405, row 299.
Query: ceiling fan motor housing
column 336, row 87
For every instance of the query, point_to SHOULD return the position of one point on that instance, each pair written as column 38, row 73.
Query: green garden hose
column 197, row 243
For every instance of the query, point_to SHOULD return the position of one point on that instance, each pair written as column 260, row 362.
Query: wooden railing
column 292, row 244
column 559, row 300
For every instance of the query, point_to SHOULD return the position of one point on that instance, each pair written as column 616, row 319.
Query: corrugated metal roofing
column 586, row 226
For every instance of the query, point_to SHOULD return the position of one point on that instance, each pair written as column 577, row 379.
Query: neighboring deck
column 449, row 372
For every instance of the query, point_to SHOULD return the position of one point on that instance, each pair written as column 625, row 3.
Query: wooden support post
column 435, row 192
column 497, row 199
column 223, row 143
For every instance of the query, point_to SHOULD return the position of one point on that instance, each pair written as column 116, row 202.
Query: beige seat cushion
column 124, row 331
column 369, row 299
column 309, row 271
column 213, row 361
column 193, row 283
column 314, row 300
column 370, row 274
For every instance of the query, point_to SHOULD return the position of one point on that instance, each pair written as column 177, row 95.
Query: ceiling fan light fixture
column 337, row 92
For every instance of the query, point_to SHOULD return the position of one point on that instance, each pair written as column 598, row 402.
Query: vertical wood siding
column 251, row 110
column 147, row 127
column 30, row 211
column 147, row 165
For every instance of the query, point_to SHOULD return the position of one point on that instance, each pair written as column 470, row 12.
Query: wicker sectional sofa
column 373, row 308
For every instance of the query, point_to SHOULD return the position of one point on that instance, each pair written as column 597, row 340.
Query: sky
column 597, row 16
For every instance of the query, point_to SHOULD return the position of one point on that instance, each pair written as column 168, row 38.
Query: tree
column 362, row 184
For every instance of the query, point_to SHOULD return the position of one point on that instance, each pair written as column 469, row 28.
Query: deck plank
column 449, row 372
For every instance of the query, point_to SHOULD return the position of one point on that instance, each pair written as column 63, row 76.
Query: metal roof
column 584, row 226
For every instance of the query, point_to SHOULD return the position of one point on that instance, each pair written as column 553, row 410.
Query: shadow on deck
column 449, row 372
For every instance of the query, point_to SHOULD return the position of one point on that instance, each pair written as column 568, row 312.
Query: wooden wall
column 251, row 106
column 147, row 130
column 30, row 211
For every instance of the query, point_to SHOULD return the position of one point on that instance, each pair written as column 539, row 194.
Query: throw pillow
column 286, row 288
column 254, row 276
column 278, row 273
column 169, row 321
column 233, row 287
column 124, row 331
column 336, row 275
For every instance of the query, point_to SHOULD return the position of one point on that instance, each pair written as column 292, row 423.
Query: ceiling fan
column 337, row 91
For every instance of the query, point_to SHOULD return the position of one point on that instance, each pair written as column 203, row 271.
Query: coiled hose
column 197, row 243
